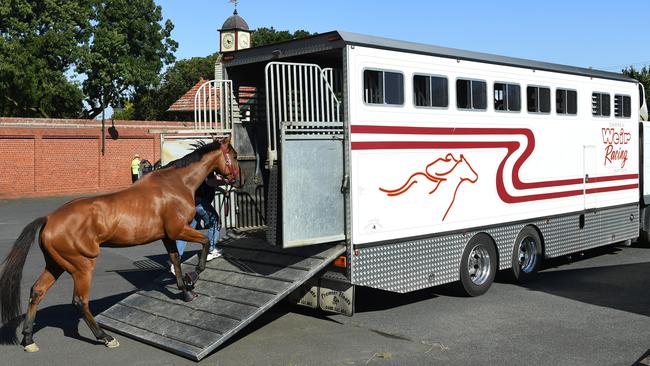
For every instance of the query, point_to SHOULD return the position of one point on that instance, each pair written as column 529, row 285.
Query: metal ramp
column 234, row 289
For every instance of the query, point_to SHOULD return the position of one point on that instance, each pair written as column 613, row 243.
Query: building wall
column 48, row 157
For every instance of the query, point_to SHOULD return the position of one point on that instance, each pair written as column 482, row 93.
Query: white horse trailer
column 425, row 165
column 437, row 165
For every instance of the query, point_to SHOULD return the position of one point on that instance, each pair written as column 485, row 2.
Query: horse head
column 227, row 164
column 465, row 171
column 443, row 168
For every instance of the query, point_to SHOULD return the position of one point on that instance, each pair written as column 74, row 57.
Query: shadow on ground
column 66, row 317
column 621, row 287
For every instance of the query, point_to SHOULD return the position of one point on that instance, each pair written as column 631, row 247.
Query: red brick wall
column 17, row 169
column 46, row 157
column 67, row 164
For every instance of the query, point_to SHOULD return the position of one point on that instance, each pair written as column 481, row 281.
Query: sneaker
column 216, row 253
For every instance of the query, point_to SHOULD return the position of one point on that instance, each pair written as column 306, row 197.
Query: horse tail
column 12, row 273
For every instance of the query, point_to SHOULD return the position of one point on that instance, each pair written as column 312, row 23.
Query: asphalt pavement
column 591, row 309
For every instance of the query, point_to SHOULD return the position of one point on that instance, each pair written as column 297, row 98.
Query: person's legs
column 180, row 245
column 211, row 219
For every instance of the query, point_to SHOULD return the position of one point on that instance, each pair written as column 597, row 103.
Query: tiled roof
column 186, row 102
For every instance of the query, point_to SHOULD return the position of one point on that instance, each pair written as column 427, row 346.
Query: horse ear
column 223, row 140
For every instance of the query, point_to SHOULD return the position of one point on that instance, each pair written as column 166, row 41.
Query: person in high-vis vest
column 135, row 168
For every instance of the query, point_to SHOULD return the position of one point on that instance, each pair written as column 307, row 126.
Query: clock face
column 227, row 42
column 244, row 40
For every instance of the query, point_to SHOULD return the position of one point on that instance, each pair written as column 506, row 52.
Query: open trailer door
column 306, row 200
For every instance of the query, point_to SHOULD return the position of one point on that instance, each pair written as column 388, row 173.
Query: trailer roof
column 338, row 39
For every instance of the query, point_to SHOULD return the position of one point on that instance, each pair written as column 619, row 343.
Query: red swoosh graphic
column 511, row 147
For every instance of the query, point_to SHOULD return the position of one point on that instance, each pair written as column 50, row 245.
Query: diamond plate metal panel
column 272, row 208
column 415, row 264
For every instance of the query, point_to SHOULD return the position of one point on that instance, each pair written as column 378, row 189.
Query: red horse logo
column 447, row 171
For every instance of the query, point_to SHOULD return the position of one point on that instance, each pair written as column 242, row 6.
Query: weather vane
column 234, row 2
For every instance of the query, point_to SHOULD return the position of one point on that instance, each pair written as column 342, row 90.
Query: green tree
column 643, row 76
column 152, row 103
column 127, row 112
column 128, row 51
column 118, row 46
column 262, row 36
column 39, row 44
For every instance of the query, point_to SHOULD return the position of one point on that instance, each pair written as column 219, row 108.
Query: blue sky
column 602, row 34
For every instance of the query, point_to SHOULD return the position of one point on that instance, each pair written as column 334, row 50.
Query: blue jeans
column 207, row 213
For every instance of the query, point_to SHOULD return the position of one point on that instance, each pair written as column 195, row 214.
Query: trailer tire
column 478, row 265
column 526, row 255
column 644, row 238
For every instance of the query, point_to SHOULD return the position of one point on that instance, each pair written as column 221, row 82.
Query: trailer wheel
column 644, row 237
column 526, row 255
column 478, row 265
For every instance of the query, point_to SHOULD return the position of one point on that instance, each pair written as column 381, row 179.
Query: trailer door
column 311, row 168
column 305, row 157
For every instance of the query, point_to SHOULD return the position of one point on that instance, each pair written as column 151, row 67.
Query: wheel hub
column 527, row 254
column 478, row 264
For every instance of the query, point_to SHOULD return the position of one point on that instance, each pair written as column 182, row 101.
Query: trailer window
column 622, row 106
column 471, row 94
column 538, row 99
column 566, row 101
column 600, row 104
column 507, row 97
column 383, row 87
column 430, row 91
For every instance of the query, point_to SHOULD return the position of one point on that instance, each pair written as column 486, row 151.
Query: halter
column 231, row 169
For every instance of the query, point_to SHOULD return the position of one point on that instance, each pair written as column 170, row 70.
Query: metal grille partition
column 242, row 210
column 214, row 106
column 301, row 95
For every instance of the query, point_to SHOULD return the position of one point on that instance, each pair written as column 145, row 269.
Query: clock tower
column 234, row 34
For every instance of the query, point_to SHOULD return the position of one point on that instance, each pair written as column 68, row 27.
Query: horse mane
column 194, row 156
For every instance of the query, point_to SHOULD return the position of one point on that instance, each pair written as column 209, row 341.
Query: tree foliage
column 128, row 51
column 39, row 42
column 262, row 36
column 152, row 103
column 119, row 46
column 643, row 76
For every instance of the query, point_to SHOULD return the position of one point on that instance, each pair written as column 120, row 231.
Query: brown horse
column 159, row 206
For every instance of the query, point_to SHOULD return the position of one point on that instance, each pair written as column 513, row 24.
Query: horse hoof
column 31, row 348
column 112, row 343
column 189, row 296
column 190, row 280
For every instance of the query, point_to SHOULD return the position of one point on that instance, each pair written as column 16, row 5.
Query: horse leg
column 170, row 245
column 47, row 278
column 188, row 233
column 82, row 281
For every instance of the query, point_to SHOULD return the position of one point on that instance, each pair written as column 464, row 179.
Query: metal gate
column 214, row 106
column 299, row 93
column 305, row 130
